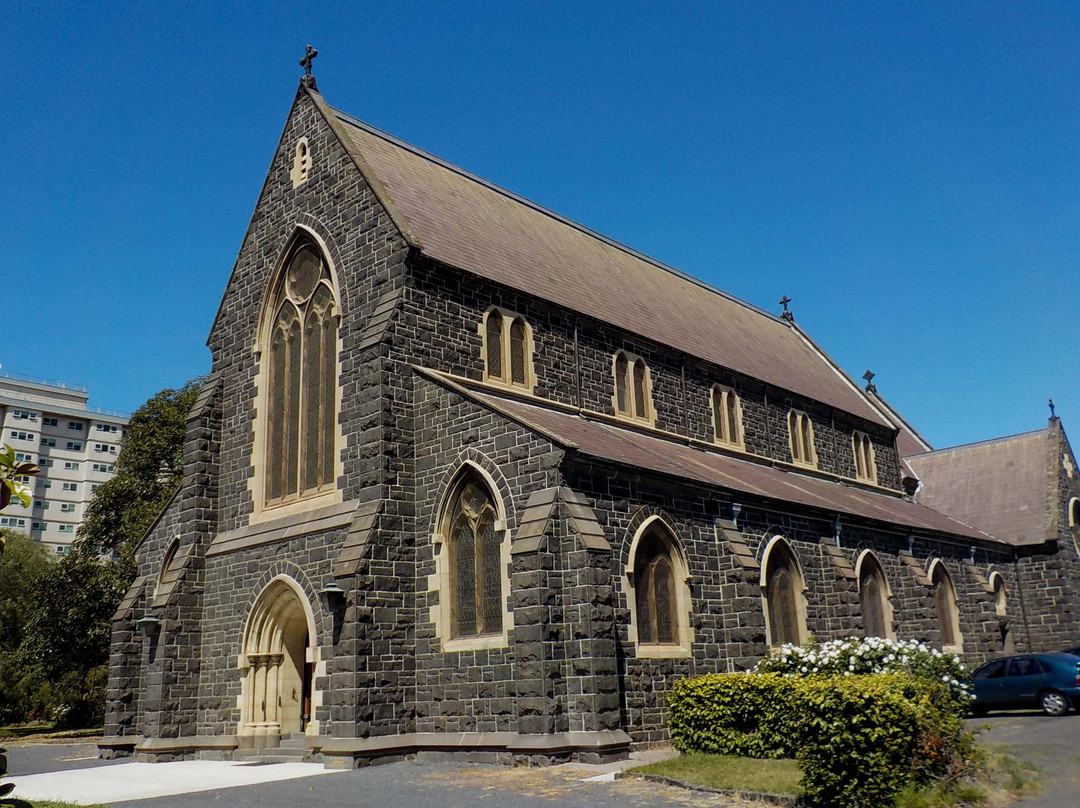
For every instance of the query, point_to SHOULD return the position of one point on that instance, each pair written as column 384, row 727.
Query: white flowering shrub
column 873, row 655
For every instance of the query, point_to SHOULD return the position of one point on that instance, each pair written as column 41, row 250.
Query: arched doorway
column 277, row 690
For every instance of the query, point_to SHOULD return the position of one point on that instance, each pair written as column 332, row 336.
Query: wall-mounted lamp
column 332, row 597
column 971, row 557
column 736, row 509
column 148, row 626
column 911, row 543
column 836, row 530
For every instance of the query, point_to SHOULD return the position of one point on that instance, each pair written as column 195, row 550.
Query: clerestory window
column 302, row 379
column 633, row 387
column 727, row 416
column 507, row 349
column 865, row 469
column 801, row 435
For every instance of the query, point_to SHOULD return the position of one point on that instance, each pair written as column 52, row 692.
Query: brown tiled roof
column 606, row 441
column 465, row 222
column 999, row 486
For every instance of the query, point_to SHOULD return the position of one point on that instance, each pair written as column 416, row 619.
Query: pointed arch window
column 946, row 607
column 874, row 598
column 865, row 469
column 659, row 595
column 633, row 387
column 727, row 416
column 1001, row 610
column 475, row 560
column 801, row 434
column 507, row 349
column 782, row 585
column 302, row 379
column 1074, row 512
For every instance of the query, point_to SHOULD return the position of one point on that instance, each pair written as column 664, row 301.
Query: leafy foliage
column 148, row 472
column 11, row 484
column 859, row 738
column 874, row 655
column 56, row 663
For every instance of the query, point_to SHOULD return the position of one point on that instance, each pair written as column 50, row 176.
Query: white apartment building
column 48, row 423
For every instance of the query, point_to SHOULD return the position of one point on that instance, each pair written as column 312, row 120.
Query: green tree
column 67, row 637
column 22, row 566
column 148, row 471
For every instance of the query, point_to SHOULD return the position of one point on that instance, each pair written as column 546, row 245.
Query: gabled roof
column 470, row 224
column 998, row 486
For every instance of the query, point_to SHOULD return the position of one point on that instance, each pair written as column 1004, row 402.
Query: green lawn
column 729, row 771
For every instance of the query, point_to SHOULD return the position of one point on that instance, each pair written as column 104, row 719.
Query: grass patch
column 18, row 732
column 997, row 779
column 729, row 772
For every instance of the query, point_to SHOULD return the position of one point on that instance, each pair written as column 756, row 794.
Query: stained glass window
column 302, row 366
column 475, row 562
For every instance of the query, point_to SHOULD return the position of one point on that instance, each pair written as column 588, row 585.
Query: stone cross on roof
column 308, row 80
column 787, row 315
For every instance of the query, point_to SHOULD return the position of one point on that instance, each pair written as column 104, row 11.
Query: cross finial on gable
column 308, row 80
column 787, row 315
column 1051, row 408
column 869, row 376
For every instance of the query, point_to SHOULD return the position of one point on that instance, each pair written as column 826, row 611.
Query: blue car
column 1048, row 681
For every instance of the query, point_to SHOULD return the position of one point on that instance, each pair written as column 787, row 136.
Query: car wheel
column 1053, row 703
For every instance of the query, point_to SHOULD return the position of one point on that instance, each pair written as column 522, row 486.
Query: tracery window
column 783, row 591
column 508, row 349
column 475, row 547
column 633, row 388
column 865, row 469
column 727, row 416
column 946, row 606
column 302, row 379
column 801, row 434
column 874, row 596
column 655, row 594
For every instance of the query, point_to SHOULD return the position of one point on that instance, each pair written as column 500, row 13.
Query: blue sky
column 907, row 173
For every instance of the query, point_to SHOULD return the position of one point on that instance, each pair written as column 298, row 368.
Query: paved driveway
column 1052, row 744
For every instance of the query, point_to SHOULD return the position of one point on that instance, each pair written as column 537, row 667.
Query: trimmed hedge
column 859, row 739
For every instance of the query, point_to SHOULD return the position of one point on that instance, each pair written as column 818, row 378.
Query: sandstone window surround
column 801, row 436
column 656, row 580
column 297, row 437
column 865, row 467
column 874, row 596
column 783, row 591
column 508, row 349
column 1074, row 522
column 301, row 165
column 472, row 559
column 1001, row 610
column 633, row 388
column 727, row 417
column 947, row 607
column 166, row 562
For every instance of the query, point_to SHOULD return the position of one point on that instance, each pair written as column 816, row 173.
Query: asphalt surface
column 1051, row 744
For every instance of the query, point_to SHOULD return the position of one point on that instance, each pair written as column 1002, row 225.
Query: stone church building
column 467, row 477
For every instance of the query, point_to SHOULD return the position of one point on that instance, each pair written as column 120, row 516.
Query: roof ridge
column 419, row 152
column 985, row 442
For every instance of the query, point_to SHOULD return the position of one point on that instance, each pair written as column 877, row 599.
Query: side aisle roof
column 468, row 223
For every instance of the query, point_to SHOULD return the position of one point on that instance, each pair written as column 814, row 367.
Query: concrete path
column 140, row 781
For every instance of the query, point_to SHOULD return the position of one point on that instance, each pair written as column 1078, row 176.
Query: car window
column 992, row 670
column 1024, row 666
